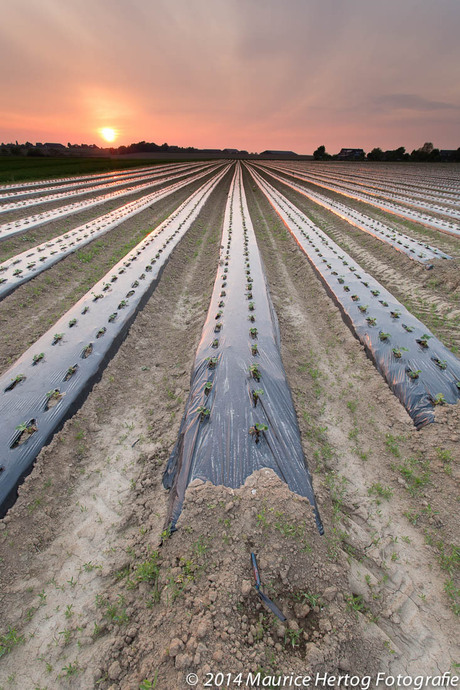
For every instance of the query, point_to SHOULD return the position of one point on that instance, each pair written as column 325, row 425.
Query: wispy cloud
column 410, row 101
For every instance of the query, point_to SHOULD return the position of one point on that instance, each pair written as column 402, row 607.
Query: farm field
column 278, row 343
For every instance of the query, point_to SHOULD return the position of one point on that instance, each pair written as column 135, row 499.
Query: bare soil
column 89, row 597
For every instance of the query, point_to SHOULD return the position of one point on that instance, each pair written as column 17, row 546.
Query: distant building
column 351, row 155
column 279, row 154
column 59, row 147
column 231, row 150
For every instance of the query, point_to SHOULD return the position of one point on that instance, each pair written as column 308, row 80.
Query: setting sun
column 108, row 133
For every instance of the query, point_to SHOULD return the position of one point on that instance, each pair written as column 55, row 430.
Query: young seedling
column 123, row 304
column 96, row 297
column 26, row 429
column 101, row 332
column 383, row 303
column 221, row 304
column 14, row 382
column 355, row 298
column 70, row 372
column 384, row 336
column 346, row 288
column 219, row 314
column 254, row 371
column 212, row 362
column 362, row 308
column 253, row 332
column 249, row 295
column 376, row 293
column 87, row 351
column 57, row 338
column 53, row 397
column 112, row 317
column 441, row 363
column 254, row 349
column 409, row 329
column 439, row 399
column 395, row 314
column 204, row 412
column 217, row 327
column 215, row 343
column 423, row 341
column 207, row 387
column 223, row 293
column 72, row 323
column 251, row 306
column 252, row 318
column 85, row 310
column 371, row 321
column 256, row 430
column 38, row 358
column 397, row 351
column 256, row 395
column 414, row 374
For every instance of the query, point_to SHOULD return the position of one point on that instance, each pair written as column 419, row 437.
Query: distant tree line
column 426, row 153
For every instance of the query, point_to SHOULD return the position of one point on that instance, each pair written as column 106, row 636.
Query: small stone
column 325, row 625
column 218, row 656
column 114, row 670
column 245, row 588
column 175, row 646
column 203, row 629
column 330, row 593
column 182, row 661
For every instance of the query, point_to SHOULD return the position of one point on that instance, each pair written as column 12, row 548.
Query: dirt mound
column 196, row 609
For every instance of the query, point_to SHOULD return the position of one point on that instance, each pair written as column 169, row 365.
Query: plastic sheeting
column 414, row 249
column 419, row 369
column 104, row 186
column 22, row 267
column 69, row 358
column 447, row 226
column 46, row 186
column 17, row 227
column 218, row 439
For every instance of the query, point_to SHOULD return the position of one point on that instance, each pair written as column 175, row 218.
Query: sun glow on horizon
column 108, row 133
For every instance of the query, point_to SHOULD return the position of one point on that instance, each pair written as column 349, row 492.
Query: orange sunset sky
column 248, row 74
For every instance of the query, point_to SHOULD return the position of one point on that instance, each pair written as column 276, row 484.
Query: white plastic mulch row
column 447, row 226
column 68, row 191
column 25, row 224
column 30, row 187
column 415, row 249
column 22, row 267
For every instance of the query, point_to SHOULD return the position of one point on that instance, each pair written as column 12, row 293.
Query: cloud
column 410, row 101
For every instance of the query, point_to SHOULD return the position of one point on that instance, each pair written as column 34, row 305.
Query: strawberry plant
column 256, row 395
column 204, row 412
column 254, row 371
column 257, row 430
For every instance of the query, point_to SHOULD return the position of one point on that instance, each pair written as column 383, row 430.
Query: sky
column 246, row 74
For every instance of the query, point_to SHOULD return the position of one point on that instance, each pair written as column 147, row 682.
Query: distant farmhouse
column 279, row 154
column 351, row 155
